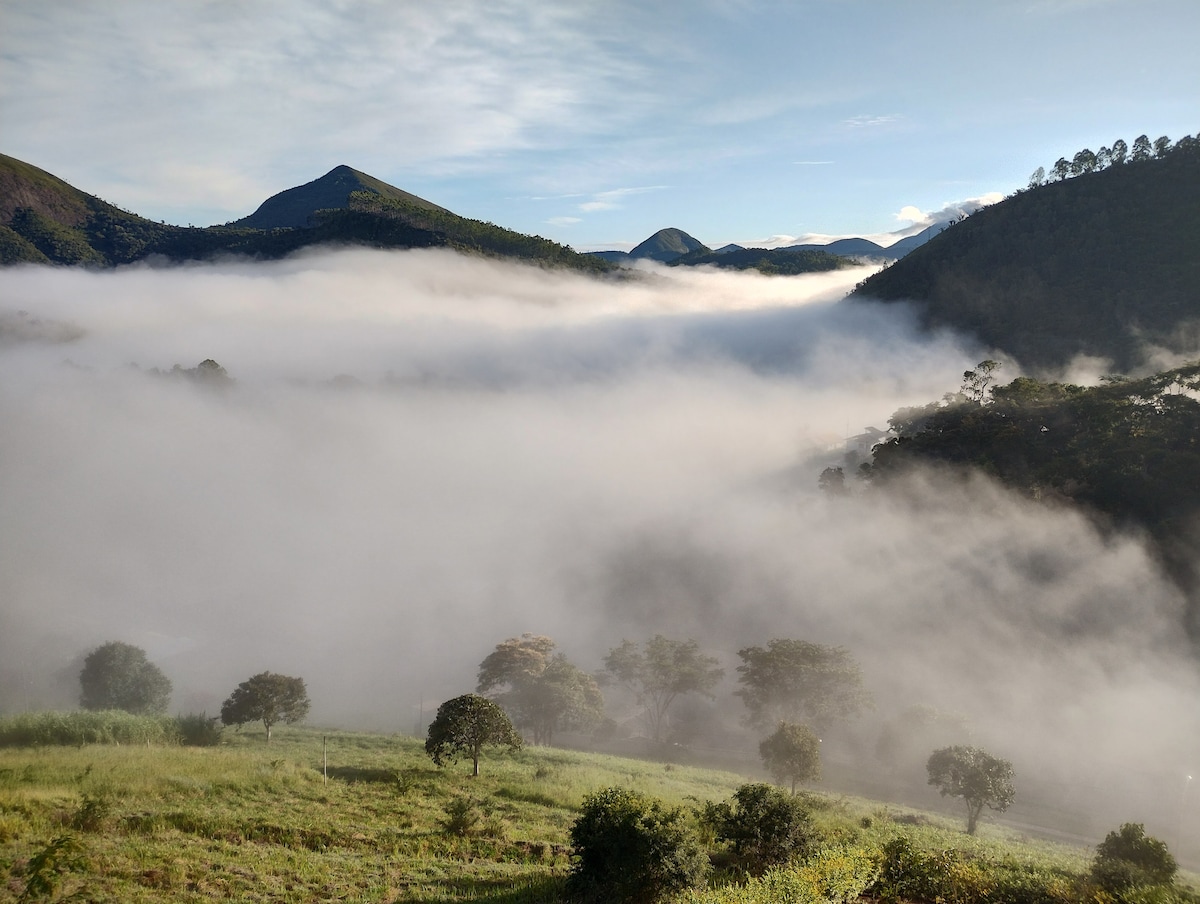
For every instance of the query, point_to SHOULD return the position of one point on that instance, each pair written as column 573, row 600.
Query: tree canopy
column 464, row 725
column 540, row 689
column 268, row 698
column 973, row 774
column 659, row 672
column 797, row 680
column 118, row 675
column 792, row 754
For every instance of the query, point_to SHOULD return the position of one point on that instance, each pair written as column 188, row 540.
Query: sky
column 592, row 123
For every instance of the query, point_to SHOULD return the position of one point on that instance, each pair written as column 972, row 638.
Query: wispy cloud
column 811, row 162
column 870, row 120
column 949, row 210
column 564, row 221
column 611, row 200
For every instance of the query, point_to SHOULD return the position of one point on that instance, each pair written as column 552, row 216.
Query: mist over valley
column 419, row 454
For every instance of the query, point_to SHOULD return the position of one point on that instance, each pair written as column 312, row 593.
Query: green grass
column 250, row 821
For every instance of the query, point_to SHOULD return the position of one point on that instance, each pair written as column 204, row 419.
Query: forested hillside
column 45, row 220
column 1100, row 258
column 1128, row 450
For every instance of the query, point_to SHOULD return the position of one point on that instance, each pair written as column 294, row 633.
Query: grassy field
column 251, row 822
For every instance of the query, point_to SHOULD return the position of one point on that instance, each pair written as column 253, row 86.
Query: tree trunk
column 973, row 811
column 268, row 724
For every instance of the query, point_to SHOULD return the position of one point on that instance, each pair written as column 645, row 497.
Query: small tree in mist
column 464, row 726
column 795, row 680
column 792, row 754
column 268, row 698
column 974, row 775
column 118, row 676
column 541, row 690
column 661, row 671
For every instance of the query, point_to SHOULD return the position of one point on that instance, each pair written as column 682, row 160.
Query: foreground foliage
column 242, row 821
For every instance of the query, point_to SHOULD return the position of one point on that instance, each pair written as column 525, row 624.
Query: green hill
column 295, row 207
column 1098, row 264
column 666, row 245
column 329, row 815
column 773, row 262
column 45, row 220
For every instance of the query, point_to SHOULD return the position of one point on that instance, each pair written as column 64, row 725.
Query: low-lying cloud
column 421, row 455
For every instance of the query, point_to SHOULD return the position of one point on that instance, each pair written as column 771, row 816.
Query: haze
column 422, row 455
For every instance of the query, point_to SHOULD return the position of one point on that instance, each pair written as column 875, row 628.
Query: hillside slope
column 45, row 220
column 1100, row 264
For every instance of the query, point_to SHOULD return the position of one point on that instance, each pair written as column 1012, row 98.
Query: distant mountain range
column 668, row 246
column 45, row 220
column 1104, row 264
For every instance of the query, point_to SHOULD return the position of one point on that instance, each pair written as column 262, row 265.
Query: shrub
column 762, row 825
column 198, row 730
column 461, row 816
column 908, row 873
column 631, row 848
column 1129, row 857
column 832, row 876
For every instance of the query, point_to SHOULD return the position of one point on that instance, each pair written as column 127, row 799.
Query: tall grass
column 81, row 727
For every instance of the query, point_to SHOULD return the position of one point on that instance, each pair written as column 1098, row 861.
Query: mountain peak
column 294, row 207
column 666, row 245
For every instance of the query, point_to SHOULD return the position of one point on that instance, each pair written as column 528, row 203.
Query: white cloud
column 611, row 199
column 564, row 221
column 949, row 210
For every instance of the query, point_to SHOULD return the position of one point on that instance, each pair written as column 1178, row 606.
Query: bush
column 832, row 876
column 461, row 816
column 1128, row 858
column 629, row 847
column 198, row 730
column 762, row 825
column 908, row 873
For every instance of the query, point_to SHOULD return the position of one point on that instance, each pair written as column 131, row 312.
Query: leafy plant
column 762, row 825
column 45, row 868
column 630, row 847
column 198, row 730
column 1128, row 857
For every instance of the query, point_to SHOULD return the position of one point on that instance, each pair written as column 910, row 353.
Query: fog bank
column 421, row 455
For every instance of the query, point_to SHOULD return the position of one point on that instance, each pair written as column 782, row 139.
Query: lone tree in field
column 540, row 689
column 464, row 726
column 792, row 754
column 118, row 676
column 661, row 671
column 267, row 698
column 973, row 774
column 795, row 680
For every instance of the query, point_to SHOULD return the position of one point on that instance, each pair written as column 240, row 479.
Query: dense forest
column 1128, row 450
column 1100, row 258
column 772, row 262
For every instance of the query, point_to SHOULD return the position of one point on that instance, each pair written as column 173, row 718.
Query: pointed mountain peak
column 666, row 245
column 293, row 207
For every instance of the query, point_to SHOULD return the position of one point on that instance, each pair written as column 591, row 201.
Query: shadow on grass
column 364, row 774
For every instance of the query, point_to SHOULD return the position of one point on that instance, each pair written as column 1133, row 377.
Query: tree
column 266, row 698
column 1162, row 146
column 629, row 847
column 662, row 671
column 1142, row 149
column 1120, row 152
column 464, row 726
column 976, row 384
column 1129, row 857
column 541, row 690
column 832, row 482
column 796, row 680
column 1038, row 178
column 118, row 676
column 976, row 776
column 762, row 825
column 792, row 754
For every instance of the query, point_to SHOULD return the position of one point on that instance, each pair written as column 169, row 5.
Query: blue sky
column 592, row 123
